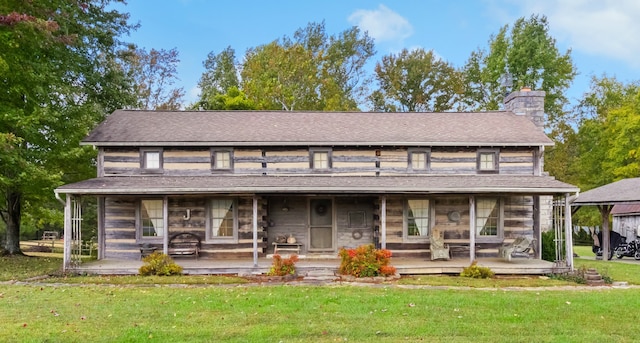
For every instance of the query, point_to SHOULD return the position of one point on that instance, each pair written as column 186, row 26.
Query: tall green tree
column 529, row 56
column 59, row 76
column 609, row 127
column 416, row 80
column 154, row 73
column 312, row 71
column 221, row 74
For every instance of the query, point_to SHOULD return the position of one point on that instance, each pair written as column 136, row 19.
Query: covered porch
column 357, row 210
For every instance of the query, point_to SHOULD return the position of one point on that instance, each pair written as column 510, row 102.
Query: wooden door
column 321, row 228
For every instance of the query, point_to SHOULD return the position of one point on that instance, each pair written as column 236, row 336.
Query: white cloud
column 382, row 24
column 607, row 28
column 192, row 95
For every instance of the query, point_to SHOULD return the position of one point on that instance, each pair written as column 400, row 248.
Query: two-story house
column 242, row 180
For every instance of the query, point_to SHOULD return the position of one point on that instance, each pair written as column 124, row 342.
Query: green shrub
column 549, row 246
column 159, row 264
column 366, row 261
column 477, row 272
column 283, row 267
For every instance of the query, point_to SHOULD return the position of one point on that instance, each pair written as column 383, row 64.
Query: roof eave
column 332, row 190
column 311, row 143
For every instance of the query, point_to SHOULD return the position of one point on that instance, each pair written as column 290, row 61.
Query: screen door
column 320, row 224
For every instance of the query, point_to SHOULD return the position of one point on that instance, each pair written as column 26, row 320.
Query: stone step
column 595, row 282
column 320, row 275
column 593, row 277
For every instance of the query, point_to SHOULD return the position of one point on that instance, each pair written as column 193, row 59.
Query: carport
column 625, row 191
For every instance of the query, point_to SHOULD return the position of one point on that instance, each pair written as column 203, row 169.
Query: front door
column 321, row 225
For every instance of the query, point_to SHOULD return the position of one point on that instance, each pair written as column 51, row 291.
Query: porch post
column 383, row 222
column 101, row 232
column 605, row 211
column 472, row 232
column 568, row 229
column 255, row 231
column 66, row 259
column 165, row 214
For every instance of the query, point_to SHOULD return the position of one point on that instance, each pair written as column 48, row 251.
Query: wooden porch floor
column 245, row 267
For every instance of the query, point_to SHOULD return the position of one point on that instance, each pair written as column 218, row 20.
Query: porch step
column 320, row 275
column 593, row 278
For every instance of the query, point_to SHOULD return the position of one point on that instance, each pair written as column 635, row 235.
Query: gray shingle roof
column 623, row 191
column 243, row 128
column 436, row 184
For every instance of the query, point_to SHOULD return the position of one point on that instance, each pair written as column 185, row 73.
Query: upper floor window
column 151, row 218
column 320, row 159
column 222, row 218
column 418, row 159
column 487, row 161
column 222, row 160
column 488, row 217
column 418, row 214
column 151, row 159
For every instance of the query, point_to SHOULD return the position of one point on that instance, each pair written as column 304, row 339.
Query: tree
column 606, row 143
column 59, row 76
column 234, row 99
column 154, row 73
column 416, row 80
column 312, row 71
column 529, row 55
column 219, row 77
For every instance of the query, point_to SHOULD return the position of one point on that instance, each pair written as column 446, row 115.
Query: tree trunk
column 14, row 212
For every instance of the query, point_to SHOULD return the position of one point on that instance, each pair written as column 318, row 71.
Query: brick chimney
column 528, row 103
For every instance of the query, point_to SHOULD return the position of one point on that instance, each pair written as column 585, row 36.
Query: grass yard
column 313, row 314
column 421, row 308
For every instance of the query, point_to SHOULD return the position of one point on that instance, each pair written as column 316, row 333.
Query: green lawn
column 313, row 314
column 191, row 309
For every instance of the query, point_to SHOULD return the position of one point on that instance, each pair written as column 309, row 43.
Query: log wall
column 121, row 240
column 345, row 161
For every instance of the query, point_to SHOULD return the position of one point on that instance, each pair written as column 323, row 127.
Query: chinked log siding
column 517, row 221
column 345, row 161
column 123, row 241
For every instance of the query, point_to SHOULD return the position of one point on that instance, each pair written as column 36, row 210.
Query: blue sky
column 602, row 34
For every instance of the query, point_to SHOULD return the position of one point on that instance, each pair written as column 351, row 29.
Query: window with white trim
column 222, row 160
column 151, row 218
column 488, row 218
column 320, row 159
column 487, row 161
column 418, row 159
column 151, row 159
column 222, row 219
column 418, row 216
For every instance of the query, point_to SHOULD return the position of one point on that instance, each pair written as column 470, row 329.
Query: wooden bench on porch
column 184, row 244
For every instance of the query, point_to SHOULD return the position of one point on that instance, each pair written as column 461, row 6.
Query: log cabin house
column 244, row 180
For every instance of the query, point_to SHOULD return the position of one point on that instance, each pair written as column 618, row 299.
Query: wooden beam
column 605, row 211
column 568, row 229
column 383, row 222
column 255, row 231
column 472, row 231
column 66, row 259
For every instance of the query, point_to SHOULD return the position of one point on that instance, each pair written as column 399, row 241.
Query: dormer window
column 221, row 159
column 487, row 161
column 151, row 160
column 320, row 159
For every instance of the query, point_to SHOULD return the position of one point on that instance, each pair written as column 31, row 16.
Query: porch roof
column 619, row 192
column 215, row 184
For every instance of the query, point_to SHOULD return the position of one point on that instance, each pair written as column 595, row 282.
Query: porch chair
column 520, row 247
column 439, row 250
